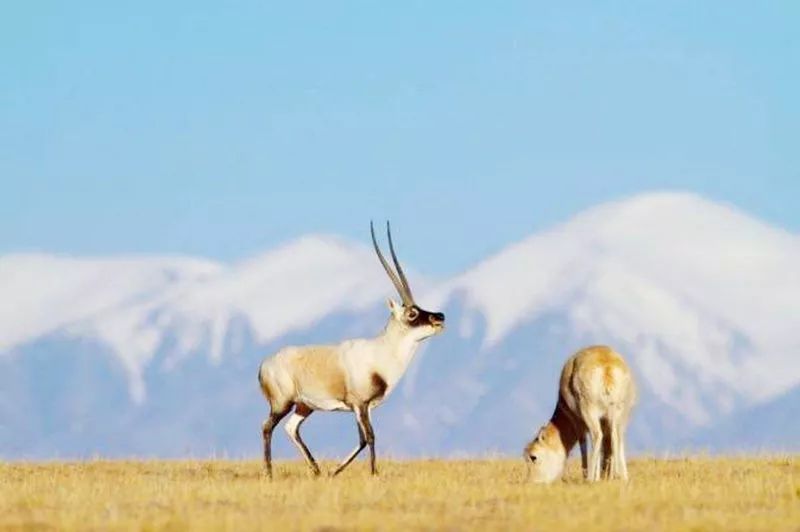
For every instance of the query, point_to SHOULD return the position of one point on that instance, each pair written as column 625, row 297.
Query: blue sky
column 186, row 127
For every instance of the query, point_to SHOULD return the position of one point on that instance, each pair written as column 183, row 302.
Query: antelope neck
column 566, row 428
column 399, row 342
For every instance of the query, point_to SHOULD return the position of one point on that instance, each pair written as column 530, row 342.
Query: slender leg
column 615, row 467
column 301, row 412
column 584, row 456
column 623, row 464
column 595, row 461
column 617, row 423
column 608, row 448
column 269, row 425
column 362, row 443
column 366, row 426
column 596, row 433
column 366, row 436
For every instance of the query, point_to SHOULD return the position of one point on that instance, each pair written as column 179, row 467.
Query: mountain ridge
column 699, row 296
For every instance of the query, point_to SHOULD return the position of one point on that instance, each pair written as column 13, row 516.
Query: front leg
column 362, row 442
column 365, row 424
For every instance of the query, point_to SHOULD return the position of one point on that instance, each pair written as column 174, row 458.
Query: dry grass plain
column 698, row 493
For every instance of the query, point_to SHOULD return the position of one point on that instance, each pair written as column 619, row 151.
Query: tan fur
column 549, row 437
column 612, row 364
column 265, row 388
column 596, row 395
column 318, row 372
column 313, row 370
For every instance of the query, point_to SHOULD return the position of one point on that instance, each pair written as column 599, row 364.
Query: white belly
column 318, row 403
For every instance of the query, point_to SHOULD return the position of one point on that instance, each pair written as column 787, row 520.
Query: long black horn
column 397, row 265
column 395, row 281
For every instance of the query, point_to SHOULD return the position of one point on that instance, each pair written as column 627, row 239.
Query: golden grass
column 687, row 494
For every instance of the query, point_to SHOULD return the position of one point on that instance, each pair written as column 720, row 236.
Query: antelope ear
column 395, row 307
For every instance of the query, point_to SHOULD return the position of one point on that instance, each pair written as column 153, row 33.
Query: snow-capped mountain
column 134, row 306
column 158, row 355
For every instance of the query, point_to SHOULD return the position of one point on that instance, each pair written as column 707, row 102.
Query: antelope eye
column 412, row 314
column 533, row 458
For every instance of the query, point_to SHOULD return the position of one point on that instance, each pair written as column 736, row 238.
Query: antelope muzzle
column 436, row 319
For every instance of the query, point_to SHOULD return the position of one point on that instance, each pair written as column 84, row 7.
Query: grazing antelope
column 595, row 396
column 355, row 375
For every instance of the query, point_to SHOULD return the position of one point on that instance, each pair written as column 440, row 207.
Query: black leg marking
column 607, row 452
column 266, row 431
column 362, row 443
column 369, row 434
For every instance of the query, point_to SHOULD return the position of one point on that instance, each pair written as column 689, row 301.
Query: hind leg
column 616, row 452
column 275, row 416
column 301, row 412
column 616, row 470
column 584, row 456
column 619, row 468
column 608, row 455
column 595, row 430
column 622, row 465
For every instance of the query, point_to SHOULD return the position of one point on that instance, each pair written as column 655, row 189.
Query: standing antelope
column 596, row 394
column 355, row 375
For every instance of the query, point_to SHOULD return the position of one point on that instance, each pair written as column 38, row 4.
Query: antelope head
column 545, row 455
column 419, row 322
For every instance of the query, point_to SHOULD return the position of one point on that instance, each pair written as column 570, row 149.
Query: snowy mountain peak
column 287, row 289
column 311, row 251
column 679, row 242
column 132, row 304
column 674, row 215
column 44, row 293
